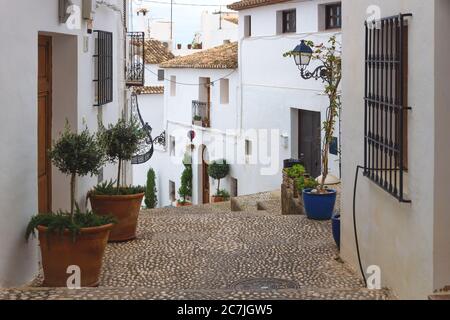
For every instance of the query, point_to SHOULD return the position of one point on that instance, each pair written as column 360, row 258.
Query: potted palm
column 320, row 202
column 73, row 238
column 219, row 170
column 120, row 142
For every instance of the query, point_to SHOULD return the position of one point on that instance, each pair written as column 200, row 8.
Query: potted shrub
column 320, row 202
column 218, row 170
column 73, row 238
column 185, row 190
column 151, row 199
column 120, row 142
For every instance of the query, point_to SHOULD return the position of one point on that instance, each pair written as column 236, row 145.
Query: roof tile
column 247, row 4
column 221, row 57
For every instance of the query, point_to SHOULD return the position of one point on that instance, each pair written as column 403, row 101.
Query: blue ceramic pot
column 336, row 223
column 319, row 206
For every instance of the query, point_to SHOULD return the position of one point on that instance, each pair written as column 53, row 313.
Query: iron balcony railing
column 135, row 64
column 201, row 114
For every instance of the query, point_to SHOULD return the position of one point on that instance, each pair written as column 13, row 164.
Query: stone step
column 103, row 293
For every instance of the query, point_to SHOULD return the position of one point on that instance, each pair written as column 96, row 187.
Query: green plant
column 218, row 170
column 109, row 188
column 223, row 194
column 296, row 171
column 61, row 221
column 330, row 56
column 151, row 199
column 197, row 118
column 306, row 183
column 77, row 155
column 185, row 190
column 121, row 142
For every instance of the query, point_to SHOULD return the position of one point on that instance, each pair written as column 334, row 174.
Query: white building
column 47, row 76
column 142, row 20
column 205, row 79
column 409, row 239
column 254, row 116
column 273, row 95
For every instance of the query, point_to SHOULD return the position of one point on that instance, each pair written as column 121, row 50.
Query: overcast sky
column 186, row 14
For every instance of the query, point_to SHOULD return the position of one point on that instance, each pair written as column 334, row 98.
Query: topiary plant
column 296, row 171
column 185, row 190
column 151, row 199
column 219, row 170
column 121, row 142
column 77, row 155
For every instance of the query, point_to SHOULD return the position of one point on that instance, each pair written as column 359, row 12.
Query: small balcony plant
column 120, row 142
column 219, row 170
column 73, row 238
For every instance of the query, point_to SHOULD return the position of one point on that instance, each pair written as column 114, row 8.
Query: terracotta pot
column 187, row 204
column 216, row 199
column 59, row 252
column 126, row 211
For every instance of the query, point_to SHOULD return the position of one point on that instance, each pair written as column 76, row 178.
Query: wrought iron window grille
column 386, row 110
column 104, row 67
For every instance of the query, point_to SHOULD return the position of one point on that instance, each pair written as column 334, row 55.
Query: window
column 172, row 146
column 173, row 86
column 172, row 191
column 161, row 75
column 104, row 71
column 248, row 150
column 386, row 105
column 224, row 91
column 333, row 16
column 247, row 26
column 289, row 21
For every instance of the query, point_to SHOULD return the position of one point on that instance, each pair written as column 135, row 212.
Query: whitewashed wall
column 272, row 89
column 18, row 132
column 409, row 242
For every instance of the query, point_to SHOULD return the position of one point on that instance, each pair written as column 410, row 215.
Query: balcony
column 201, row 114
column 135, row 74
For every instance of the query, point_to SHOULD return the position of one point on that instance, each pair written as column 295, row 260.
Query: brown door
column 205, row 188
column 310, row 141
column 44, row 123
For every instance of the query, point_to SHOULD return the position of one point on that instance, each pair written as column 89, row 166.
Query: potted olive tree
column 73, row 238
column 120, row 142
column 320, row 201
column 219, row 170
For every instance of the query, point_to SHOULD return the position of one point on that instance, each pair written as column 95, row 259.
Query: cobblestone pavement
column 207, row 252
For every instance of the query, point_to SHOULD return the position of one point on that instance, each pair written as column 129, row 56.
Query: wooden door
column 205, row 177
column 44, row 123
column 310, row 141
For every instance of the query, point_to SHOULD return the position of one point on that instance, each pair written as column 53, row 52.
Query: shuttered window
column 104, row 67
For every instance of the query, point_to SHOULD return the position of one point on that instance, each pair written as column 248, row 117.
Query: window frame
column 247, row 26
column 289, row 23
column 104, row 80
column 331, row 15
column 161, row 74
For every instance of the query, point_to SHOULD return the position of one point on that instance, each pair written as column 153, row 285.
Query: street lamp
column 302, row 56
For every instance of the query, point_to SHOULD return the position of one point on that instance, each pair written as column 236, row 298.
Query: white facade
column 272, row 90
column 73, row 99
column 176, row 120
column 258, row 128
column 409, row 242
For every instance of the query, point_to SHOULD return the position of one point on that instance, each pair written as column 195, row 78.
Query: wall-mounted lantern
column 302, row 56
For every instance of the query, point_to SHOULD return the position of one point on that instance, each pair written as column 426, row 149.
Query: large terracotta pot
column 126, row 211
column 86, row 251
